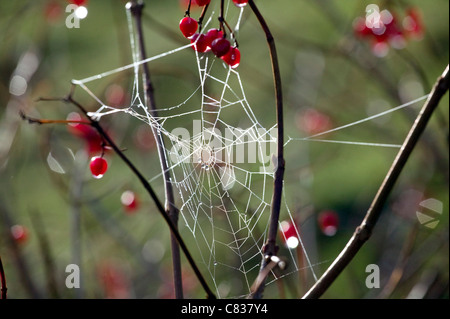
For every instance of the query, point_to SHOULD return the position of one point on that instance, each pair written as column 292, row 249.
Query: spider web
column 222, row 171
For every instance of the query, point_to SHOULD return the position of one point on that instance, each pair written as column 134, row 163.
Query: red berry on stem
column 94, row 142
column 129, row 201
column 220, row 47
column 199, row 43
column 188, row 26
column 19, row 233
column 202, row 2
column 211, row 35
column 328, row 222
column 98, row 166
column 232, row 57
column 240, row 3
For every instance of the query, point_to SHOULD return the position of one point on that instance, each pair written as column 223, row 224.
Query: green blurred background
column 331, row 78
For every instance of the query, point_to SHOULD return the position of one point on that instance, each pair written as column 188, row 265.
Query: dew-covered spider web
column 221, row 163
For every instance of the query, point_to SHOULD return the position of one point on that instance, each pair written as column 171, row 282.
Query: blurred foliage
column 325, row 67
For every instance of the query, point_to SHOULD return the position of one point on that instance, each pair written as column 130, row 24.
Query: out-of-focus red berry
column 53, row 11
column 328, row 222
column 184, row 4
column 19, row 233
column 413, row 24
column 114, row 280
column 129, row 201
column 79, row 2
column 144, row 139
column 94, row 142
column 115, row 95
column 312, row 121
column 289, row 234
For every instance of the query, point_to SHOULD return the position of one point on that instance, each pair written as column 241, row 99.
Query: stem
column 173, row 212
column 144, row 183
column 270, row 248
column 202, row 16
column 364, row 231
column 3, row 280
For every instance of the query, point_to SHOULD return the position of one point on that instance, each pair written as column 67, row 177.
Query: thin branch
column 364, row 231
column 145, row 184
column 136, row 9
column 270, row 248
column 4, row 289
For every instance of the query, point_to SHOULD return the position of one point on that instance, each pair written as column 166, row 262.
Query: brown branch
column 145, row 184
column 270, row 248
column 136, row 9
column 364, row 231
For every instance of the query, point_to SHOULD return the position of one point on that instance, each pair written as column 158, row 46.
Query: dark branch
column 364, row 231
column 170, row 208
column 270, row 248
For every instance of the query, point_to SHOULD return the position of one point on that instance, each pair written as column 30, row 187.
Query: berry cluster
column 214, row 40
column 384, row 29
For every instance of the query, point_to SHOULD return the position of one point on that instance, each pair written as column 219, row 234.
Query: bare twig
column 136, row 9
column 364, row 231
column 108, row 140
column 270, row 248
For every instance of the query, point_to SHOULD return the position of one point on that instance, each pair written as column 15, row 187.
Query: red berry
column 188, row 26
column 289, row 234
column 232, row 57
column 211, row 35
column 98, row 166
column 129, row 201
column 328, row 222
column 220, row 47
column 413, row 23
column 53, row 11
column 202, row 2
column 312, row 121
column 185, row 3
column 360, row 27
column 19, row 233
column 240, row 3
column 94, row 142
column 199, row 43
column 79, row 2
